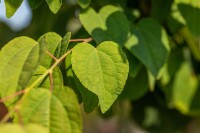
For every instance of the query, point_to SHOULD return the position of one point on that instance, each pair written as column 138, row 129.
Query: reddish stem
column 12, row 96
column 51, row 81
column 53, row 57
column 81, row 40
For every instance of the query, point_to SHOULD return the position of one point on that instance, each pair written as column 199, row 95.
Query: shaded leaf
column 19, row 59
column 90, row 100
column 102, row 70
column 134, row 65
column 84, row 3
column 110, row 24
column 136, row 87
column 149, row 44
column 35, row 3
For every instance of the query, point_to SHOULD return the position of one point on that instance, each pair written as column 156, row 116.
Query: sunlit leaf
column 102, row 70
column 19, row 59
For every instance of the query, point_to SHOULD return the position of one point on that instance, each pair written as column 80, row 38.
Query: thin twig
column 19, row 116
column 53, row 57
column 82, row 40
column 12, row 96
column 51, row 81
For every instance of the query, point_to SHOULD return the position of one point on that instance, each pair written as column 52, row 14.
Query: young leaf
column 110, row 24
column 19, row 59
column 84, row 3
column 149, row 44
column 54, row 5
column 65, row 43
column 40, row 107
column 12, row 6
column 14, row 128
column 102, row 70
column 51, row 40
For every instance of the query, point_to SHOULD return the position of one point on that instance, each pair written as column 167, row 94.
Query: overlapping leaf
column 89, row 99
column 149, row 44
column 51, row 41
column 19, row 59
column 67, row 97
column 136, row 87
column 40, row 107
column 102, row 70
column 110, row 24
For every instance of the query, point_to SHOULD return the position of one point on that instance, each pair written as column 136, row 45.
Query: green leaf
column 64, row 43
column 14, row 128
column 184, row 88
column 84, row 3
column 40, row 107
column 12, row 6
column 161, row 9
column 67, row 97
column 134, row 64
column 38, row 72
column 149, row 43
column 57, row 80
column 19, row 59
column 54, row 5
column 70, row 102
column 35, row 3
column 102, row 70
column 90, row 100
column 136, row 87
column 51, row 40
column 110, row 24
column 181, row 16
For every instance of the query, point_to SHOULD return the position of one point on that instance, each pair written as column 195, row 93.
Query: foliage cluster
column 143, row 51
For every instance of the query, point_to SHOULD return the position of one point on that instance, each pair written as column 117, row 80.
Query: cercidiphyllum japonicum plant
column 40, row 78
column 37, row 94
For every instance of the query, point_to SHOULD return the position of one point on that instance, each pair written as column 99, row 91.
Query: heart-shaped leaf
column 102, row 70
column 110, row 24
